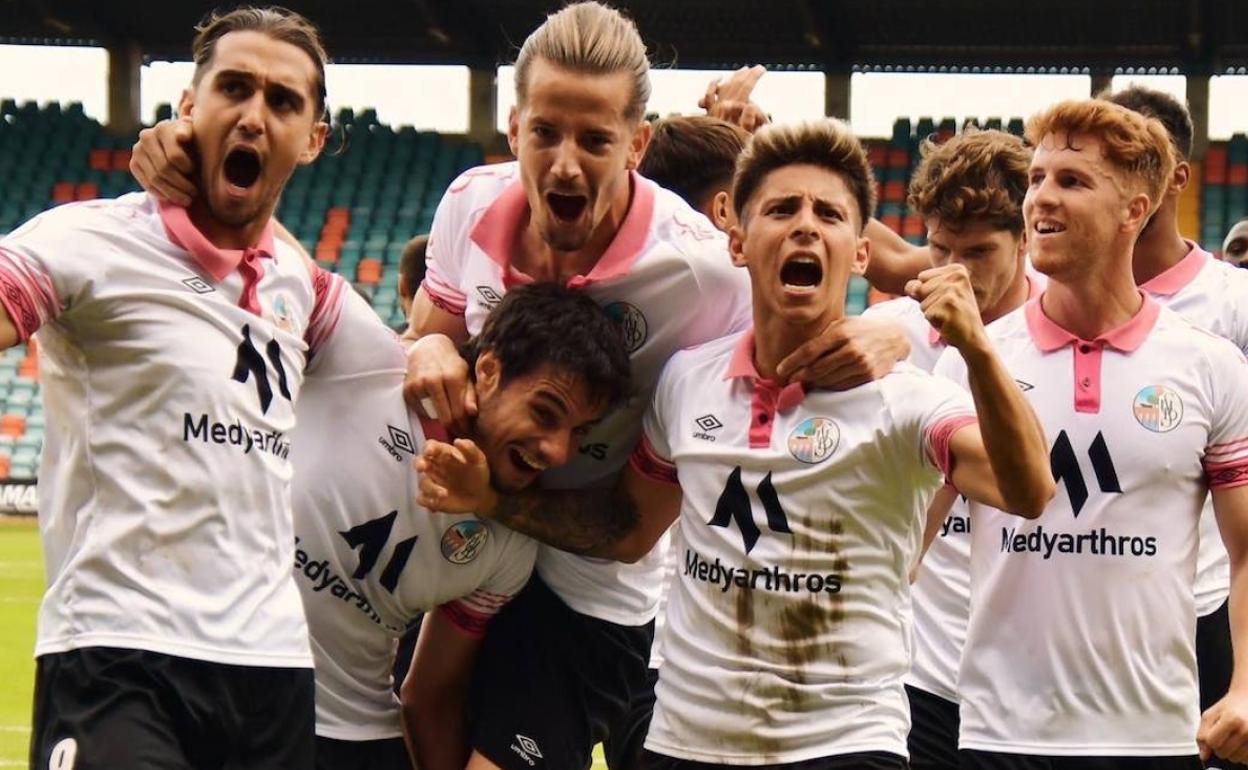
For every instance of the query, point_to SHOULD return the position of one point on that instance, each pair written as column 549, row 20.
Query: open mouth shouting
column 566, row 207
column 801, row 274
column 242, row 169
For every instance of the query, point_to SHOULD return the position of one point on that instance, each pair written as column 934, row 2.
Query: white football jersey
column 164, row 499
column 788, row 624
column 667, row 278
column 926, row 344
column 368, row 560
column 1213, row 295
column 942, row 590
column 1082, row 621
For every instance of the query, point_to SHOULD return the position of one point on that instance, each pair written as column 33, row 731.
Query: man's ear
column 1182, row 176
column 721, row 208
column 862, row 257
column 316, row 143
column 489, row 372
column 186, row 103
column 513, row 131
column 1139, row 209
column 640, row 141
column 736, row 245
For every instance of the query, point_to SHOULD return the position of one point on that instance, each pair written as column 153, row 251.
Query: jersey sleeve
column 724, row 291
column 330, row 291
column 350, row 338
column 44, row 267
column 1226, row 455
column 449, row 243
column 471, row 614
column 652, row 457
column 934, row 408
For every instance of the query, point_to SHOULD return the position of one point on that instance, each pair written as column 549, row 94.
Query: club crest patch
column 462, row 542
column 814, row 440
column 1158, row 408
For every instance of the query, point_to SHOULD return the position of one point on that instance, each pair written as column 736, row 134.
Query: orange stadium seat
column 87, row 191
column 12, row 425
column 63, row 192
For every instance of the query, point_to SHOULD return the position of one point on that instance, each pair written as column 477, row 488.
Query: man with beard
column 173, row 343
column 369, row 560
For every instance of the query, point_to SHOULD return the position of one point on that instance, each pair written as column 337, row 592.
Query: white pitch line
column 14, row 728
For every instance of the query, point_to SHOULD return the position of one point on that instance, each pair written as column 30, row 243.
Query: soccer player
column 1180, row 275
column 787, row 646
column 969, row 191
column 1079, row 651
column 368, row 560
column 694, row 157
column 562, row 663
column 1235, row 247
column 173, row 343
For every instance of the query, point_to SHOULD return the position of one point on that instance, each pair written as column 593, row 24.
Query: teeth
column 1048, row 227
column 530, row 460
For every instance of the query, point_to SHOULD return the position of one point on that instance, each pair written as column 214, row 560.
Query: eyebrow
column 545, row 395
column 292, row 93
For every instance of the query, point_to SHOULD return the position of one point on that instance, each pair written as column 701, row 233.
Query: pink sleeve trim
column 27, row 296
column 327, row 308
column 444, row 295
column 940, row 434
column 468, row 620
column 1227, row 475
column 648, row 463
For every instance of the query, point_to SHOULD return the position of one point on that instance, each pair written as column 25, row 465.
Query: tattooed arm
column 608, row 523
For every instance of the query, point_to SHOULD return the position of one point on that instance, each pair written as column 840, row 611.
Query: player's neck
column 776, row 337
column 536, row 259
column 1160, row 246
column 1094, row 303
column 225, row 236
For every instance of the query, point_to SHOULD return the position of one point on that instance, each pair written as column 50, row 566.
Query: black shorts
column 933, row 740
column 863, row 760
column 550, row 683
column 993, row 760
column 623, row 749
column 386, row 754
column 1215, row 661
column 107, row 708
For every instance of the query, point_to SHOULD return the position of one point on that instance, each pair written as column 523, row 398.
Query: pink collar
column 218, row 262
column 1034, row 289
column 498, row 231
column 741, row 365
column 1180, row 274
column 1048, row 336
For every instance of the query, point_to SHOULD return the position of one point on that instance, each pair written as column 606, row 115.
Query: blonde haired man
column 1145, row 413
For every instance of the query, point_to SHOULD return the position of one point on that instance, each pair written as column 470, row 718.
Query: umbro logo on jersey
column 251, row 365
column 734, row 505
column 400, row 441
column 526, row 748
column 707, row 423
column 198, row 285
column 489, row 297
column 1024, row 386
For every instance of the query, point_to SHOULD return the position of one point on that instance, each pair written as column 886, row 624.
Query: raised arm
column 1004, row 462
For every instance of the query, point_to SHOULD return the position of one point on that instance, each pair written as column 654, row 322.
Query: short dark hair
column 276, row 22
column 693, row 156
column 545, row 324
column 412, row 264
column 826, row 143
column 1172, row 113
